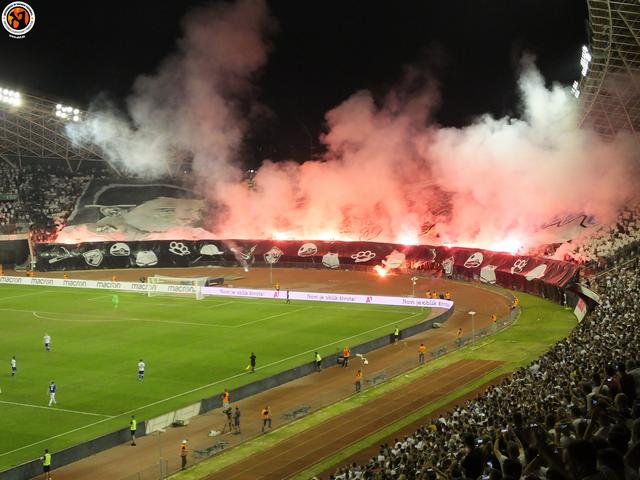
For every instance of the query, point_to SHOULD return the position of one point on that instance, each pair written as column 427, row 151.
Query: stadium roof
column 34, row 127
column 610, row 86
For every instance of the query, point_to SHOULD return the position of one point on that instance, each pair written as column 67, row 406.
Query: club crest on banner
column 307, row 250
column 447, row 266
column 210, row 250
column 488, row 274
column 119, row 250
column 537, row 272
column 518, row 265
column 63, row 254
column 475, row 260
column 245, row 258
column 363, row 256
column 179, row 248
column 331, row 260
column 273, row 255
column 146, row 258
column 93, row 257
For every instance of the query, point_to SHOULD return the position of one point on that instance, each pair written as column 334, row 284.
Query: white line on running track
column 202, row 387
column 56, row 409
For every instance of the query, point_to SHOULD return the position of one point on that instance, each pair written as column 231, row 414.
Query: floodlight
column 585, row 60
column 575, row 89
column 66, row 112
column 10, row 97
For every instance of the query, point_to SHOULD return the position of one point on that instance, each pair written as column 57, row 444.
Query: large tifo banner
column 483, row 265
column 230, row 292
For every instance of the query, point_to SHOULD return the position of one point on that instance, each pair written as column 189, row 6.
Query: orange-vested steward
column 358, row 375
column 346, row 353
column 422, row 349
column 265, row 413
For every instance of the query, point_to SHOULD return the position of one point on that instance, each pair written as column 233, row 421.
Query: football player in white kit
column 141, row 366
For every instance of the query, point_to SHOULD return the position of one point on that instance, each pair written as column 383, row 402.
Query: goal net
column 177, row 286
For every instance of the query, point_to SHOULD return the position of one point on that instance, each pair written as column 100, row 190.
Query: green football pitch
column 193, row 349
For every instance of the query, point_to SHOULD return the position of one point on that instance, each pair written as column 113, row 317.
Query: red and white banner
column 581, row 310
column 521, row 272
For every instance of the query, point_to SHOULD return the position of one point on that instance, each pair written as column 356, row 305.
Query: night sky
column 322, row 52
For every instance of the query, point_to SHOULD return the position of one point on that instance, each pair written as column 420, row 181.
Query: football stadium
column 278, row 250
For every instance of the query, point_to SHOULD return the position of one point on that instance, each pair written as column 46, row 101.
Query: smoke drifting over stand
column 388, row 173
column 199, row 102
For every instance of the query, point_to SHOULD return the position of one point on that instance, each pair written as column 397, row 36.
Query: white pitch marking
column 273, row 316
column 95, row 299
column 56, row 409
column 212, row 304
column 26, row 294
column 224, row 380
column 121, row 319
column 38, row 314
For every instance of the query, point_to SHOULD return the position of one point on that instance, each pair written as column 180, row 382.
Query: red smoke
column 389, row 173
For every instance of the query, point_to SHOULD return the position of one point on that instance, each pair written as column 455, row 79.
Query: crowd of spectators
column 39, row 198
column 572, row 414
column 608, row 242
column 8, row 192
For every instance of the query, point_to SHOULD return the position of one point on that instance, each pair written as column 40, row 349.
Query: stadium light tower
column 35, row 127
column 608, row 88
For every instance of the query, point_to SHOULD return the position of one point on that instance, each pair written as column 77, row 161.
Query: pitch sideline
column 55, row 409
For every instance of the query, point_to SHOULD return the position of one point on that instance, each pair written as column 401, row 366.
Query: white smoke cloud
column 389, row 173
column 195, row 104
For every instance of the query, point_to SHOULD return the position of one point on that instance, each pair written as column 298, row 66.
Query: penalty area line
column 55, row 409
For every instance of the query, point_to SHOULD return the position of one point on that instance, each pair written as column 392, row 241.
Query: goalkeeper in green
column 115, row 301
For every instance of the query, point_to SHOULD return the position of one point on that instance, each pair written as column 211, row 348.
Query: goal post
column 177, row 286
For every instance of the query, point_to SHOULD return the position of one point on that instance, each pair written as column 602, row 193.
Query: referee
column 46, row 464
column 133, row 425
